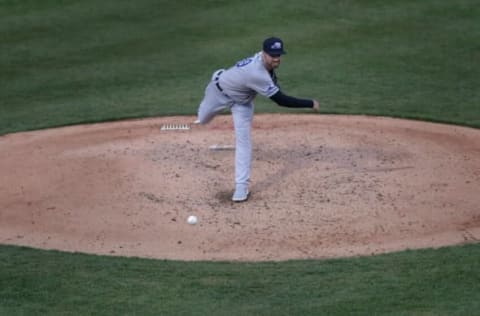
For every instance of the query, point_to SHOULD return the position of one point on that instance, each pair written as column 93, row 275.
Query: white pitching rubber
column 221, row 147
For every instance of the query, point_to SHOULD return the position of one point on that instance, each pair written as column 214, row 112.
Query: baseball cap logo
column 276, row 45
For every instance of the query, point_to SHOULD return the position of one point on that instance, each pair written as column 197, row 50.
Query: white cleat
column 241, row 193
column 196, row 122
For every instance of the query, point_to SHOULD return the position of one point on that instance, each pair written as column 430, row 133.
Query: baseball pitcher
column 235, row 88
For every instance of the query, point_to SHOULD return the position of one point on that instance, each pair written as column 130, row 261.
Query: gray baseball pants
column 213, row 103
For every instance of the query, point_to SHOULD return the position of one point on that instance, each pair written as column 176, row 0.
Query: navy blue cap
column 273, row 46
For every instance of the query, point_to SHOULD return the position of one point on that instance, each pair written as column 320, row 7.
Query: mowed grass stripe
column 72, row 62
column 445, row 281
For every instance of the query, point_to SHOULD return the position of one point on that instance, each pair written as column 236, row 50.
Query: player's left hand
column 316, row 106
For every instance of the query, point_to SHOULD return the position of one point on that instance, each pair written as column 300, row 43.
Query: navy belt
column 216, row 81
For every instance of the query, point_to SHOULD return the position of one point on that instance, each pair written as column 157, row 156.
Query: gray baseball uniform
column 236, row 88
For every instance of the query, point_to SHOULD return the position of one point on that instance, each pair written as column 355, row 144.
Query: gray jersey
column 246, row 79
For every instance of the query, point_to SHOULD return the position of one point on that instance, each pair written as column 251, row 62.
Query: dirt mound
column 322, row 186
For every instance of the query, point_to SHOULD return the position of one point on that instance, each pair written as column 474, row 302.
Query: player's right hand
column 316, row 106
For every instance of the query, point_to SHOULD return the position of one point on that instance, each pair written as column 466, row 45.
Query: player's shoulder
column 248, row 62
column 258, row 60
column 252, row 67
column 258, row 65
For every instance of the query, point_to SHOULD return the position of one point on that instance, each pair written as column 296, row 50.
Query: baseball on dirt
column 192, row 220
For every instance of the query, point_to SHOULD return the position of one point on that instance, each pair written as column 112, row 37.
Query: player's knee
column 204, row 119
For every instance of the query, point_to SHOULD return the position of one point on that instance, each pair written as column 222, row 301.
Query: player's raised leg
column 213, row 103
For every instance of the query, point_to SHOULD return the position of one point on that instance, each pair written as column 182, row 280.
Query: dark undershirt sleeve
column 291, row 102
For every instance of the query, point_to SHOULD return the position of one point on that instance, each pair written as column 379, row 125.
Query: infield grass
column 427, row 282
column 67, row 62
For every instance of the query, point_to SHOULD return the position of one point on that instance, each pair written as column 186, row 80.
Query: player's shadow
column 224, row 196
column 292, row 164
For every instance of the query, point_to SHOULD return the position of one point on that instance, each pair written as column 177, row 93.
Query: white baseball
column 192, row 220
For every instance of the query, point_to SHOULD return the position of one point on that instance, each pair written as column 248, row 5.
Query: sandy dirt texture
column 322, row 186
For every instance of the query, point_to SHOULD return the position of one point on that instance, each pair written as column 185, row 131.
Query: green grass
column 67, row 62
column 445, row 281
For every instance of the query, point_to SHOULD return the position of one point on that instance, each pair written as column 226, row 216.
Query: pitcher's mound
column 322, row 186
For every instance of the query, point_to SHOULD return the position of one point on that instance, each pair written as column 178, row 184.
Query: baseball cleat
column 241, row 193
